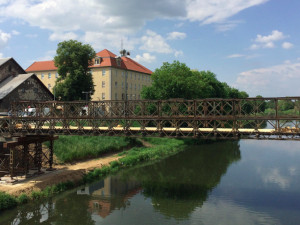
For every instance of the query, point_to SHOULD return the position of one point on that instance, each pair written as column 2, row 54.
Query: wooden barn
column 17, row 85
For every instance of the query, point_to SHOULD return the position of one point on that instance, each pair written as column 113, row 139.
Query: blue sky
column 252, row 45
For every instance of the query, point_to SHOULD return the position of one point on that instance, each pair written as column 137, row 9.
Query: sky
column 252, row 45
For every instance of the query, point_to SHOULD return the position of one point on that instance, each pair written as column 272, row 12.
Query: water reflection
column 110, row 194
column 183, row 182
column 169, row 191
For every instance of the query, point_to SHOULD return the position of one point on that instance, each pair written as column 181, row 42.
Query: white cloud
column 145, row 58
column 15, row 32
column 31, row 35
column 274, row 36
column 268, row 40
column 227, row 25
column 273, row 176
column 62, row 36
column 49, row 55
column 216, row 11
column 176, row 35
column 219, row 211
column 117, row 17
column 154, row 42
column 235, row 56
column 287, row 45
column 178, row 53
column 4, row 38
column 274, row 81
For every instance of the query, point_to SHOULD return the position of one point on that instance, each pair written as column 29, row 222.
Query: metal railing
column 267, row 118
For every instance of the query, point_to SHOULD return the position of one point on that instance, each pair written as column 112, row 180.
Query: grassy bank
column 74, row 148
column 159, row 148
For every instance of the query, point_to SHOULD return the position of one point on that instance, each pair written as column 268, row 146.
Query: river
column 241, row 182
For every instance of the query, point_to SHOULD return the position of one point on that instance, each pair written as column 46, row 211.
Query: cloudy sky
column 253, row 45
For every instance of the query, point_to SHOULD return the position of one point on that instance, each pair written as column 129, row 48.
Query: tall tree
column 176, row 80
column 73, row 60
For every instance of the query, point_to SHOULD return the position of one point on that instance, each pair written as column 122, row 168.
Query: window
column 134, row 86
column 122, row 85
column 118, row 61
column 139, row 87
column 126, row 86
column 103, row 84
column 130, row 86
column 135, row 76
column 97, row 61
column 122, row 73
column 49, row 75
column 116, row 83
column 123, row 96
column 116, row 96
column 103, row 72
column 131, row 75
column 49, row 86
column 56, row 75
column 103, row 95
column 23, row 90
column 138, row 76
column 42, row 76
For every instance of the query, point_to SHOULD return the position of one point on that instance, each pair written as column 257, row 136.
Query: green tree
column 73, row 60
column 176, row 80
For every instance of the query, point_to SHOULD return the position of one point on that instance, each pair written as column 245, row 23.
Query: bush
column 7, row 201
column 23, row 198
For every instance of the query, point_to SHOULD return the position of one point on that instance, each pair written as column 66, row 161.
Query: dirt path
column 67, row 172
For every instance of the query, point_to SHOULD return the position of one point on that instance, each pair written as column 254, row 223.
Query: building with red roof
column 115, row 77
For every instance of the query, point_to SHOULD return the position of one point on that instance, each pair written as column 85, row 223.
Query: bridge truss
column 203, row 118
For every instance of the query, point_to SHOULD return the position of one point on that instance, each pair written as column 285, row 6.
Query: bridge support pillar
column 12, row 162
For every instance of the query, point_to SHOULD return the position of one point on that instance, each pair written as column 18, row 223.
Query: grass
column 74, row 148
column 8, row 201
column 161, row 148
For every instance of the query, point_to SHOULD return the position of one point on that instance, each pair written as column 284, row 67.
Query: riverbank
column 67, row 176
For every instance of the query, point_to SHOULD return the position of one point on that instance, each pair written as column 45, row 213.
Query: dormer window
column 97, row 60
column 118, row 59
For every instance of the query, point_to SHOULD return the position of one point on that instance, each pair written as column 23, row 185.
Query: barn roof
column 12, row 82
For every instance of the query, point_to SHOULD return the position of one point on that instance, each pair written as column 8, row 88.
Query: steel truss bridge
column 32, row 123
column 204, row 118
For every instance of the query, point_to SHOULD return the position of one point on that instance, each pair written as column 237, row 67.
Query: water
column 246, row 182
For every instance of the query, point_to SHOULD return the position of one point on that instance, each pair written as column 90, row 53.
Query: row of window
column 129, row 96
column 135, row 76
column 49, row 75
column 130, row 75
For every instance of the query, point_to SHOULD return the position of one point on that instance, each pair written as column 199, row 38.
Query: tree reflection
column 183, row 182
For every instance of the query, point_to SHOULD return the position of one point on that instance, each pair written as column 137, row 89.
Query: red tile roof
column 108, row 59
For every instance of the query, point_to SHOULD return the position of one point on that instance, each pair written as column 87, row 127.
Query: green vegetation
column 160, row 149
column 285, row 107
column 7, row 201
column 176, row 80
column 73, row 60
column 72, row 148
